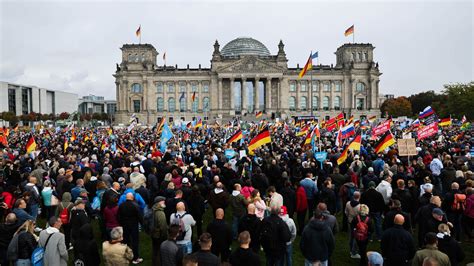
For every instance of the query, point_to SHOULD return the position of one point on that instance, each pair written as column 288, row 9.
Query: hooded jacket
column 86, row 247
column 317, row 241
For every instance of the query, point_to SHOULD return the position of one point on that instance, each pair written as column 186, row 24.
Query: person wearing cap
column 370, row 176
column 449, row 246
column 291, row 225
column 375, row 201
column 317, row 241
column 159, row 231
column 438, row 216
column 430, row 251
column 423, row 215
column 374, row 259
column 397, row 245
column 79, row 218
column 186, row 188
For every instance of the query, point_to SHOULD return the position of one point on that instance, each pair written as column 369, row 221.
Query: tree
column 64, row 115
column 10, row 117
column 460, row 99
column 44, row 117
column 96, row 116
column 395, row 107
column 423, row 99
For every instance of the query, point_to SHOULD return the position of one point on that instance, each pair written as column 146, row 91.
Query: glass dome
column 244, row 46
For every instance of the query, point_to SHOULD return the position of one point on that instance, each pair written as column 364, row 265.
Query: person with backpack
column 7, row 230
column 53, row 245
column 454, row 205
column 351, row 210
column 274, row 234
column 375, row 201
column 63, row 212
column 317, row 241
column 156, row 226
column 361, row 227
column 25, row 244
column 468, row 216
column 185, row 221
column 129, row 217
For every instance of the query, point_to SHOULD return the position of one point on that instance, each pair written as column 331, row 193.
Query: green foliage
column 460, row 99
column 396, row 107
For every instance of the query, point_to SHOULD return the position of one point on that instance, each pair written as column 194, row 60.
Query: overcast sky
column 74, row 45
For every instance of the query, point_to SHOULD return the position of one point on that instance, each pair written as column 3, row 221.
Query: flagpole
column 311, row 88
column 353, row 35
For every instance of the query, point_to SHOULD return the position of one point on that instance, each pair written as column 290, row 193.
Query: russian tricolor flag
column 348, row 131
column 426, row 112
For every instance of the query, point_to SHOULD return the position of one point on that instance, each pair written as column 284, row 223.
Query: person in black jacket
column 396, row 208
column 244, row 256
column 196, row 207
column 317, row 241
column 129, row 216
column 86, row 248
column 78, row 219
column 7, row 230
column 221, row 236
column 374, row 200
column 252, row 224
column 397, row 245
column 449, row 246
column 27, row 242
column 274, row 233
column 289, row 197
column 204, row 256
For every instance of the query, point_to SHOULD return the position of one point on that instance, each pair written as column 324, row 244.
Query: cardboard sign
column 407, row 147
column 427, row 131
column 382, row 128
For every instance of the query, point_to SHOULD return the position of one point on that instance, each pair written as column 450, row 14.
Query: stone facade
column 228, row 87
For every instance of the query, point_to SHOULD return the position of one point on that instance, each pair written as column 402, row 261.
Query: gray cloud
column 74, row 45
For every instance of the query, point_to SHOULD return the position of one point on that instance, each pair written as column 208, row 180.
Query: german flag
column 258, row 114
column 66, row 144
column 194, row 96
column 122, row 148
column 258, row 141
column 6, row 131
column 445, row 122
column 103, row 145
column 355, row 144
column 372, row 119
column 343, row 157
column 31, row 145
column 309, row 64
column 3, row 139
column 73, row 136
column 198, row 124
column 313, row 133
column 386, row 141
column 140, row 144
column 349, row 31
column 235, row 137
column 138, row 32
column 160, row 125
column 110, row 130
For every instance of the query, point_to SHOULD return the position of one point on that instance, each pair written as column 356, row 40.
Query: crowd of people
column 101, row 191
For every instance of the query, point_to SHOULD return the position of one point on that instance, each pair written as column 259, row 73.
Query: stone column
column 117, row 93
column 268, row 94
column 219, row 92
column 320, row 96
column 257, row 95
column 232, row 94
column 245, row 100
column 165, row 98
column 331, row 93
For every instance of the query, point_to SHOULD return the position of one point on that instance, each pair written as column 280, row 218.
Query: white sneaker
column 355, row 256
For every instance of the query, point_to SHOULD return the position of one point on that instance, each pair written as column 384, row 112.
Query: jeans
column 363, row 251
column 131, row 238
column 235, row 226
column 288, row 255
column 315, row 263
column 187, row 247
column 377, row 218
column 34, row 210
column 352, row 243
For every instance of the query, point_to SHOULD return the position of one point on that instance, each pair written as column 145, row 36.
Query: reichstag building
column 245, row 78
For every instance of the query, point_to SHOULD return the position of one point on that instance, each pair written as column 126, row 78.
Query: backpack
column 361, row 230
column 459, row 202
column 350, row 192
column 268, row 235
column 149, row 221
column 65, row 215
column 182, row 227
column 12, row 251
column 38, row 254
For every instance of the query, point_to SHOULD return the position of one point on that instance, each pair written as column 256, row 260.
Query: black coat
column 317, row 241
column 221, row 235
column 252, row 224
column 374, row 200
column 26, row 244
column 451, row 247
column 244, row 257
column 78, row 219
column 397, row 244
column 281, row 236
column 129, row 214
column 289, row 199
column 86, row 246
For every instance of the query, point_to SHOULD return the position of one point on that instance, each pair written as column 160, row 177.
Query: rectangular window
column 338, row 86
column 315, row 86
column 24, row 100
column 360, row 104
column 194, row 87
column 292, row 86
column 205, row 87
column 159, row 87
column 170, row 87
column 12, row 100
column 304, row 86
column 136, row 106
column 182, row 87
column 326, row 87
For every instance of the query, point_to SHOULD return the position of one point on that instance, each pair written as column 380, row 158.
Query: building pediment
column 250, row 64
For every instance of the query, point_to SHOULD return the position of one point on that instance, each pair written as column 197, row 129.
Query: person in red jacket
column 301, row 206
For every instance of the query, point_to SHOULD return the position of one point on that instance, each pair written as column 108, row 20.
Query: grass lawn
column 340, row 256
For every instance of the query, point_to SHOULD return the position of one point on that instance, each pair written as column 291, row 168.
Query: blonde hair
column 170, row 185
column 443, row 228
column 28, row 226
column 364, row 210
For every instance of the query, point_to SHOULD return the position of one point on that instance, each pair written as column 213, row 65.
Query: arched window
column 337, row 102
column 182, row 104
column 360, row 86
column 205, row 104
column 195, row 105
column 326, row 103
column 136, row 88
column 171, row 105
column 292, row 103
column 160, row 104
column 303, row 103
column 315, row 103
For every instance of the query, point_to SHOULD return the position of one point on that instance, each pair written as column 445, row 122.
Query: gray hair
column 116, row 233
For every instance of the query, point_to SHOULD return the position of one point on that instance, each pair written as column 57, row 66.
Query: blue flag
column 166, row 135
